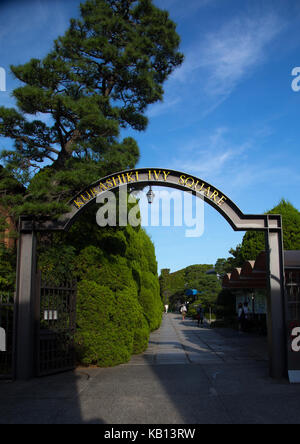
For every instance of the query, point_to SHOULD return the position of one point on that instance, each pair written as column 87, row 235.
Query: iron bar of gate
column 56, row 326
column 7, row 312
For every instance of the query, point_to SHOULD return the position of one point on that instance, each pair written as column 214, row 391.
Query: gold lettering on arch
column 135, row 176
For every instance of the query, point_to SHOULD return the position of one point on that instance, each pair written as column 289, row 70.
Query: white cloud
column 236, row 166
column 226, row 56
column 208, row 157
column 162, row 107
column 218, row 61
column 236, row 50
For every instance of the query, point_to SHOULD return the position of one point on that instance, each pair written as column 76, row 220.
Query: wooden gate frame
column 271, row 225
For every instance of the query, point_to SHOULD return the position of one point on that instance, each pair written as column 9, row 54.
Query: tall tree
column 99, row 78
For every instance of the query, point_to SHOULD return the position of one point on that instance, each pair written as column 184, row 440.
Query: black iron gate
column 7, row 309
column 56, row 311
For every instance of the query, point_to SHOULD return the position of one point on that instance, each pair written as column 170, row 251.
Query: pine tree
column 99, row 78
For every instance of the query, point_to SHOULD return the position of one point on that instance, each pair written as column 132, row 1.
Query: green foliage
column 11, row 195
column 208, row 309
column 100, row 77
column 126, row 305
column 193, row 308
column 141, row 257
column 57, row 262
column 7, row 268
column 173, row 285
column 220, row 267
column 110, row 325
column 254, row 243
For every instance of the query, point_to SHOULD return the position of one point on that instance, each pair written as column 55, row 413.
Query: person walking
column 241, row 316
column 200, row 315
column 166, row 309
column 246, row 316
column 183, row 311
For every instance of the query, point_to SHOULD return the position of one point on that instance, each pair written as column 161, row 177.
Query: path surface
column 187, row 376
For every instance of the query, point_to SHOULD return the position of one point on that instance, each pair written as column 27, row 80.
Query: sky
column 229, row 115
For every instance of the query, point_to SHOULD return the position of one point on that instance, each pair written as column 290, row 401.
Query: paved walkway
column 187, row 376
column 178, row 342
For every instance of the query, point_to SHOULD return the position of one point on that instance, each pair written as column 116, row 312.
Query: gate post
column 276, row 298
column 26, row 272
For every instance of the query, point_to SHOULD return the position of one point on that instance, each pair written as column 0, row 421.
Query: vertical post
column 276, row 298
column 26, row 271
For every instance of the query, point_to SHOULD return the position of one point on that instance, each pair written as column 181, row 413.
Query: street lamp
column 150, row 196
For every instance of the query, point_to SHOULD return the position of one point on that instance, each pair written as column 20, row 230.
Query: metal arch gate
column 271, row 225
column 56, row 326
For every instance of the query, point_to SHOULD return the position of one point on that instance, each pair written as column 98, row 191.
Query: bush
column 149, row 298
column 110, row 327
column 141, row 336
column 118, row 298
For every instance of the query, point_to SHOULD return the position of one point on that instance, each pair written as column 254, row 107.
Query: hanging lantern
column 150, row 196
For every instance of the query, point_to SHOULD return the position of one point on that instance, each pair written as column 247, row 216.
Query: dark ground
column 187, row 376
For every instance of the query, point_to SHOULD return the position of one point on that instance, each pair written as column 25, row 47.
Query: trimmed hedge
column 119, row 300
column 111, row 326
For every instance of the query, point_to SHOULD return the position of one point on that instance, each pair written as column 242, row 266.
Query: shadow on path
column 188, row 375
column 48, row 400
